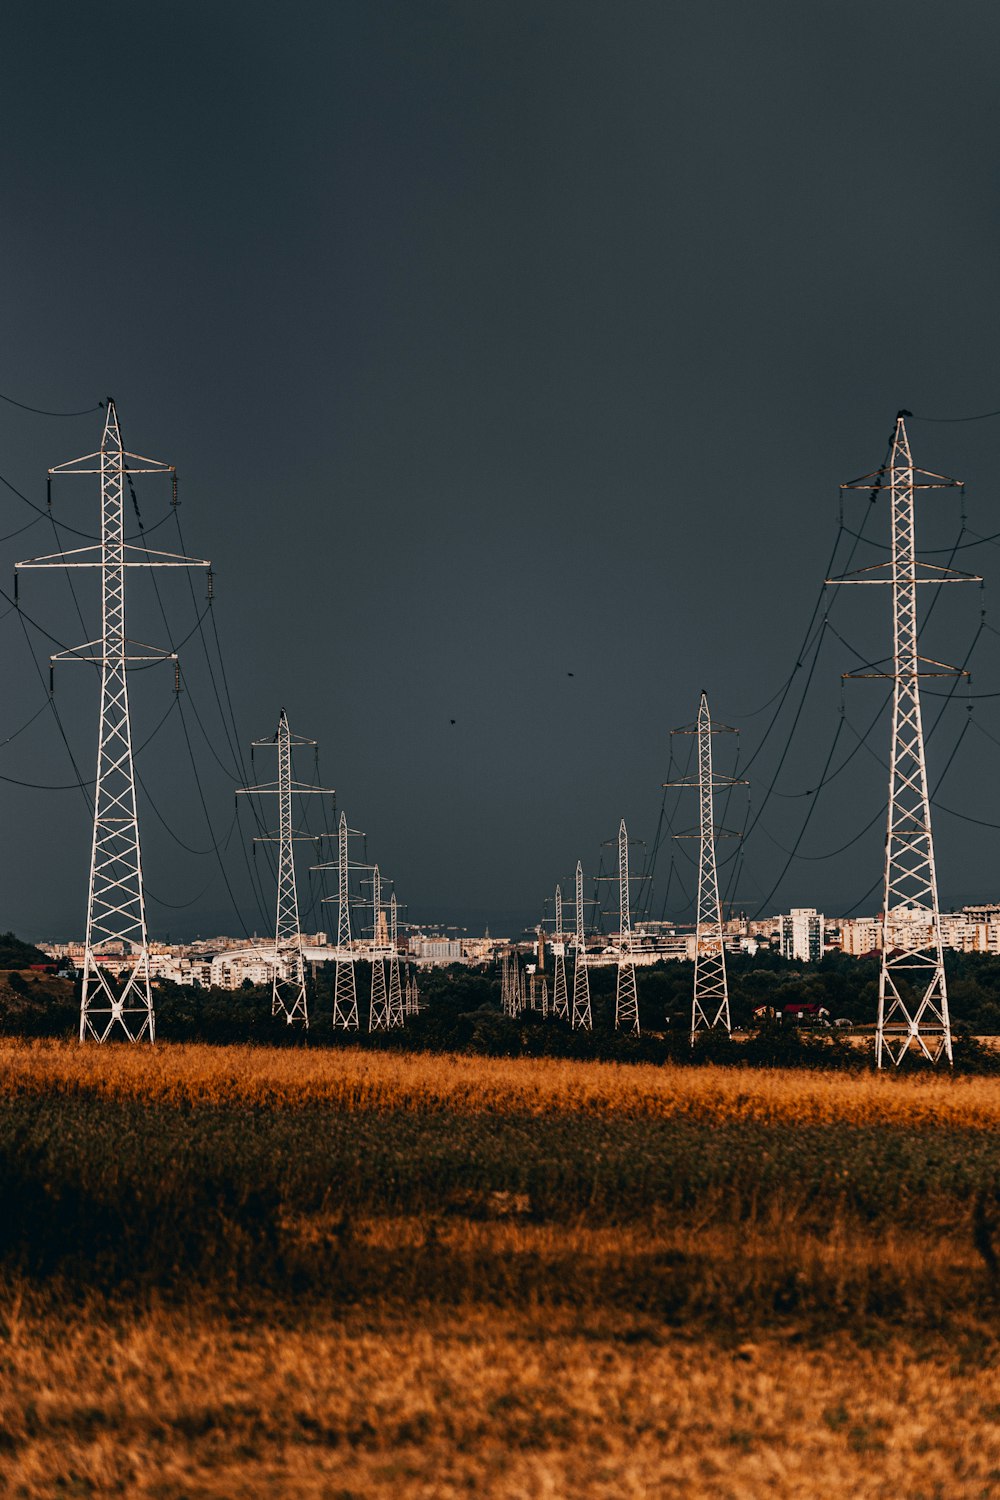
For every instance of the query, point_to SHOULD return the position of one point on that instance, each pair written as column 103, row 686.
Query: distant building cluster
column 803, row 933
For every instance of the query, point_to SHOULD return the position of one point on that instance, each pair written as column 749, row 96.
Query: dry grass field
column 262, row 1077
column 176, row 1403
column 230, row 1272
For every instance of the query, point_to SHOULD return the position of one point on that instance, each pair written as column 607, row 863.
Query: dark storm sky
column 496, row 342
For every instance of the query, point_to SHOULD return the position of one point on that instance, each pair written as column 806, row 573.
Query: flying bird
column 451, row 721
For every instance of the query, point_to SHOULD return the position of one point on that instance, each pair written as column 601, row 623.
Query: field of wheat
column 241, row 1271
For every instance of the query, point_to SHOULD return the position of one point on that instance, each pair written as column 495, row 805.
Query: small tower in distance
column 710, row 1001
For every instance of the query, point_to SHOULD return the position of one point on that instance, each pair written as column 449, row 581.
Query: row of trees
column 460, row 1010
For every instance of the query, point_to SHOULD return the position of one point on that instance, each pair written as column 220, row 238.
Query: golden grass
column 352, row 1079
column 492, row 1353
column 165, row 1404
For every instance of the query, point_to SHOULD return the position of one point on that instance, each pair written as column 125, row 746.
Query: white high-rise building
column 802, row 934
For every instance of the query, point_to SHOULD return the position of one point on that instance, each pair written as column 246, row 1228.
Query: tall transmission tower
column 508, row 985
column 912, row 991
column 626, row 996
column 288, row 985
column 710, row 1000
column 581, row 981
column 379, row 1015
column 116, row 909
column 560, row 994
column 396, row 1008
column 345, row 995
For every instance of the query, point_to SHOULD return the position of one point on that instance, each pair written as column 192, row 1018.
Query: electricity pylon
column 116, row 910
column 412, row 996
column 508, row 985
column 626, row 997
column 396, row 1009
column 378, row 1016
column 710, row 999
column 288, row 984
column 345, row 995
column 560, row 995
column 581, row 981
column 912, row 990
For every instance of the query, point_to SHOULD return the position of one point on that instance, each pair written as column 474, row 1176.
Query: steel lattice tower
column 378, row 1016
column 508, row 983
column 710, row 1000
column 396, row 1008
column 116, row 911
column 345, row 996
column 560, row 994
column 288, row 989
column 913, row 991
column 626, row 996
column 581, row 981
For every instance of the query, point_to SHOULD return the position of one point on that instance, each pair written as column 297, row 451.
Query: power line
column 982, row 417
column 40, row 411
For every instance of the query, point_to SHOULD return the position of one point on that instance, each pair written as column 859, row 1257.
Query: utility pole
column 710, row 1001
column 581, row 983
column 288, row 985
column 116, row 909
column 912, row 991
column 626, row 996
column 396, row 1011
column 378, row 1016
column 560, row 994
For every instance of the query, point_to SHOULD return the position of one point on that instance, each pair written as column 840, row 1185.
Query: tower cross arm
column 300, row 789
column 717, row 781
column 297, row 835
column 713, row 728
column 921, row 479
column 271, row 742
column 939, row 574
column 149, row 465
column 132, row 557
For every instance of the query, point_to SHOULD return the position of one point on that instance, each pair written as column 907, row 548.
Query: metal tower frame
column 626, row 995
column 710, row 997
column 913, row 991
column 116, row 909
column 560, row 993
column 508, row 985
column 288, row 989
column 581, row 1017
column 345, row 994
column 379, row 1018
column 397, row 1014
